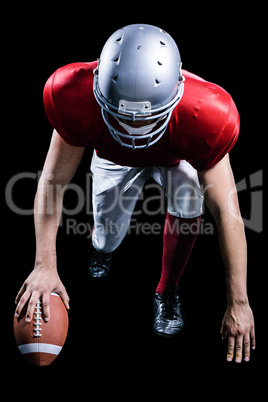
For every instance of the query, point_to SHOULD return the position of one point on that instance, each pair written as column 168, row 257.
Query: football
column 38, row 341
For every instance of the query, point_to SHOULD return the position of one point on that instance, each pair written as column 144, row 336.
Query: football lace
column 37, row 319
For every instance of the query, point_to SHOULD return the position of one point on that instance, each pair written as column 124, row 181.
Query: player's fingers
column 20, row 293
column 230, row 348
column 31, row 306
column 246, row 348
column 223, row 332
column 252, row 338
column 239, row 348
column 22, row 299
column 46, row 306
column 64, row 295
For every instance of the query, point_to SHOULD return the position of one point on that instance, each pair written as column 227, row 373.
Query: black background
column 110, row 338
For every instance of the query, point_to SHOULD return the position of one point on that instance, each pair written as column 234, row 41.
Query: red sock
column 178, row 241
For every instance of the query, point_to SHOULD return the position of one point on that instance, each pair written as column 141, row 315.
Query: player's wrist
column 238, row 299
column 45, row 263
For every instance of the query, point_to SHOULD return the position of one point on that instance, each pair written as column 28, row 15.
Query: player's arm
column 61, row 163
column 238, row 323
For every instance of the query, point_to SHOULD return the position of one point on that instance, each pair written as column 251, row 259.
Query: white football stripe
column 40, row 347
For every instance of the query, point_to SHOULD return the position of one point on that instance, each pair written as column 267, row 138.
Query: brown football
column 40, row 342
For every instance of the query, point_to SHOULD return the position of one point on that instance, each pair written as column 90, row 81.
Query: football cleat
column 168, row 320
column 100, row 264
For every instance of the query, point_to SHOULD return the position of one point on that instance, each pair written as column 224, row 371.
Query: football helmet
column 138, row 79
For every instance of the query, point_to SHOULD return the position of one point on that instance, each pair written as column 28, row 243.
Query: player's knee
column 106, row 249
column 104, row 245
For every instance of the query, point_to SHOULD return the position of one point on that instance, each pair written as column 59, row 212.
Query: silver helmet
column 138, row 79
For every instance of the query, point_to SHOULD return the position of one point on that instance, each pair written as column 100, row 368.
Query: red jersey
column 203, row 127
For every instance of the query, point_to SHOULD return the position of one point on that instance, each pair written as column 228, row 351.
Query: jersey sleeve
column 50, row 109
column 224, row 140
column 69, row 103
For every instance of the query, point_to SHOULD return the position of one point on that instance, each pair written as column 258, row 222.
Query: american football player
column 144, row 117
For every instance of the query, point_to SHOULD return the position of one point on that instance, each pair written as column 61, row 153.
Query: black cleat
column 168, row 320
column 100, row 264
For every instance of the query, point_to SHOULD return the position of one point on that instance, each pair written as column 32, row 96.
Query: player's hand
column 40, row 284
column 238, row 327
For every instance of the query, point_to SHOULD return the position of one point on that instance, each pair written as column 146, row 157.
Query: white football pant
column 116, row 190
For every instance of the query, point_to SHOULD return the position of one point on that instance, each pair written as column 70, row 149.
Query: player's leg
column 185, row 202
column 115, row 192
